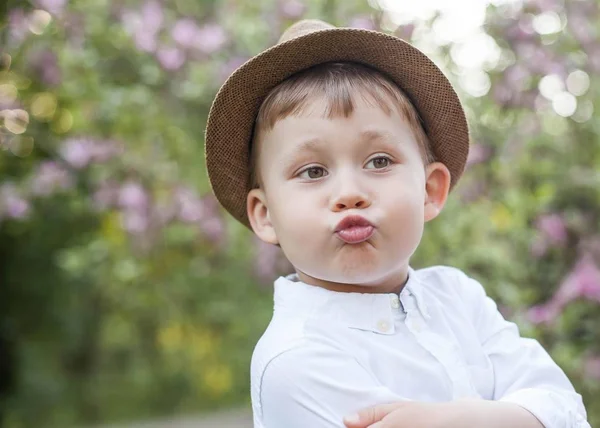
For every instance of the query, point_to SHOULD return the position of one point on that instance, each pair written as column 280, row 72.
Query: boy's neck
column 393, row 284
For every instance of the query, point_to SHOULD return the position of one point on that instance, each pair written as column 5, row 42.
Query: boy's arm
column 468, row 413
column 316, row 385
column 524, row 372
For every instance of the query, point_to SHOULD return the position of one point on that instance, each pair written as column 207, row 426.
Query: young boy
column 338, row 145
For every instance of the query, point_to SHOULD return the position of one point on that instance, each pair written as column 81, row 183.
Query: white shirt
column 328, row 354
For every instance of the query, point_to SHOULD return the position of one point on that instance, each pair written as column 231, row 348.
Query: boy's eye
column 314, row 172
column 379, row 162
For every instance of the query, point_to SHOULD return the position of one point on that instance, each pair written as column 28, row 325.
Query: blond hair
column 338, row 83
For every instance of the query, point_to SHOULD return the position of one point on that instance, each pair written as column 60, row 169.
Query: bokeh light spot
column 8, row 93
column 479, row 51
column 63, row 122
column 564, row 104
column 15, row 121
column 584, row 112
column 578, row 82
column 43, row 106
column 476, row 83
column 21, row 146
column 39, row 21
column 550, row 86
column 547, row 23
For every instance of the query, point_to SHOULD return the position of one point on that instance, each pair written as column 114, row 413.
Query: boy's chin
column 352, row 276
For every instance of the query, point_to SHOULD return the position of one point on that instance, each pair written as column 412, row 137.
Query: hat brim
column 233, row 112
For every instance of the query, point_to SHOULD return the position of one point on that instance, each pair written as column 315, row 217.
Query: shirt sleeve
column 315, row 386
column 524, row 372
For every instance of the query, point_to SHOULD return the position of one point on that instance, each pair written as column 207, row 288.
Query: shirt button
column 383, row 326
column 395, row 302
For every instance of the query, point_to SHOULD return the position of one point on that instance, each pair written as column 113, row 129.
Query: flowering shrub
column 126, row 292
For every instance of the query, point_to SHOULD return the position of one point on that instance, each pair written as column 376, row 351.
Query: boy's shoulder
column 288, row 344
column 286, row 333
column 448, row 285
column 443, row 278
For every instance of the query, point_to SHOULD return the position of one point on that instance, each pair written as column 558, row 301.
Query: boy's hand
column 405, row 414
column 462, row 413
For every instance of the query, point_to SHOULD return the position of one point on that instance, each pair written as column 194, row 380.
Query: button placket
column 446, row 354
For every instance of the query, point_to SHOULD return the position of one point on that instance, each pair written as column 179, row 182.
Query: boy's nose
column 350, row 199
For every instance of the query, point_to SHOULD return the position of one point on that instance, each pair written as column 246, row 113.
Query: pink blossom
column 210, row 38
column 106, row 195
column 152, row 15
column 591, row 366
column 145, row 40
column 133, row 196
column 164, row 213
column 553, row 227
column 582, row 282
column 145, row 25
column 74, row 25
column 103, row 151
column 501, row 94
column 581, row 28
column 212, row 224
column 44, row 64
column 471, row 190
column 293, row 9
column 543, row 314
column 539, row 247
column 170, row 58
column 134, row 222
column 230, row 66
column 362, row 22
column 50, row 177
column 190, row 208
column 17, row 25
column 516, row 76
column 266, row 259
column 478, row 153
column 185, row 32
column 55, row 7
column 214, row 228
column 594, row 58
column 525, row 24
column 78, row 152
column 517, row 34
column 405, row 32
column 12, row 204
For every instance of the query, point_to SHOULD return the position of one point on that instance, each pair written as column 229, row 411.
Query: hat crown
column 304, row 27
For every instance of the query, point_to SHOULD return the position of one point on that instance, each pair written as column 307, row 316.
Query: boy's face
column 317, row 172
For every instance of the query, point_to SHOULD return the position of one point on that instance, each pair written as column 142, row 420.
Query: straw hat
column 308, row 43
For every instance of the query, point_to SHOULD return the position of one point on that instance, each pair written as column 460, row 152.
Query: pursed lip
column 354, row 229
column 352, row 221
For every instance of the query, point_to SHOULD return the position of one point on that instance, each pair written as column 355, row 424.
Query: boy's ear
column 437, row 186
column 258, row 214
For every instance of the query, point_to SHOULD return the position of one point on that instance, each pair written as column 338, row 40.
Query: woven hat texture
column 303, row 45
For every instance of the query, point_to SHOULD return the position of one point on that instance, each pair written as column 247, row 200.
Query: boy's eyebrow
column 315, row 145
column 371, row 135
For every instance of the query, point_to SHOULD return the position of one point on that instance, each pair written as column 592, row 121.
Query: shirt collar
column 364, row 311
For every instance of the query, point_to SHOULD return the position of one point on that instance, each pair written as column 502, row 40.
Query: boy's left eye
column 379, row 162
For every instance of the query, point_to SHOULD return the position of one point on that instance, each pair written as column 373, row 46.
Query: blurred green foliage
column 125, row 292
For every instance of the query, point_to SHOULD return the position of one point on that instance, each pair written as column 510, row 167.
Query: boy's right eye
column 313, row 173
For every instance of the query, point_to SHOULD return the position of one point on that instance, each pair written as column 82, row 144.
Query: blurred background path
column 231, row 419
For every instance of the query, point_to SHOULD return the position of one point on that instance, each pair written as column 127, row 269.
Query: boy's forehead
column 308, row 137
column 322, row 108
